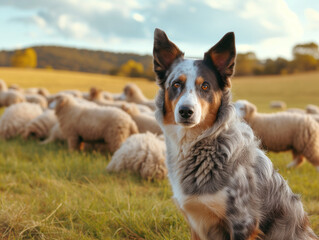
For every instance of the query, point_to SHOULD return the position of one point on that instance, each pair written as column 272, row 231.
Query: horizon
column 270, row 29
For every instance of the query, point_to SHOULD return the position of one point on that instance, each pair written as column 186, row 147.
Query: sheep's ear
column 165, row 53
column 222, row 58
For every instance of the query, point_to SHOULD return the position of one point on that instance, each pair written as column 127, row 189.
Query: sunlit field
column 47, row 192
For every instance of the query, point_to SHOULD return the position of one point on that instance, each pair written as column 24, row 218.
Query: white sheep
column 41, row 126
column 16, row 117
column 312, row 109
column 132, row 93
column 144, row 122
column 9, row 97
column 143, row 153
column 97, row 97
column 55, row 134
column 284, row 131
column 278, row 105
column 38, row 99
column 82, row 123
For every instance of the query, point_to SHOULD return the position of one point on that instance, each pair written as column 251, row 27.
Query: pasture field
column 47, row 192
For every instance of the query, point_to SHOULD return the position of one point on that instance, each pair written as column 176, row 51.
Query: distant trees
column 24, row 58
column 305, row 58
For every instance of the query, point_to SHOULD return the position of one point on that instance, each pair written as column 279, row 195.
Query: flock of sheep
column 124, row 124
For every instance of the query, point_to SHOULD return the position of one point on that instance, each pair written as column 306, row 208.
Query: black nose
column 186, row 111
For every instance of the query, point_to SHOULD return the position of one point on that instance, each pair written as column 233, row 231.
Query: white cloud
column 138, row 17
column 312, row 17
column 70, row 26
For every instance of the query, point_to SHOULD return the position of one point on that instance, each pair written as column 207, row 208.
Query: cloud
column 198, row 23
column 312, row 17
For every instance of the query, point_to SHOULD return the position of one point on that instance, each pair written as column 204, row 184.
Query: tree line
column 305, row 58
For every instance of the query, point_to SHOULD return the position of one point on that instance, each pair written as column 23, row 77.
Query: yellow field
column 296, row 90
column 47, row 192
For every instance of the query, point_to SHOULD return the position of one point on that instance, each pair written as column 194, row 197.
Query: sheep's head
column 133, row 93
column 60, row 101
column 95, row 93
column 245, row 109
column 44, row 92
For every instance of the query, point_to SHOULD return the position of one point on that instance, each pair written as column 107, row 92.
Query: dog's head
column 192, row 88
column 245, row 109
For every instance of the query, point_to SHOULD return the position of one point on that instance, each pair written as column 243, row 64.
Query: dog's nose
column 186, row 111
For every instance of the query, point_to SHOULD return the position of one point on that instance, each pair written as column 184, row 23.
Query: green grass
column 47, row 192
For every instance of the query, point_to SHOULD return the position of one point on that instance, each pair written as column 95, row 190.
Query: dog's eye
column 205, row 86
column 177, row 85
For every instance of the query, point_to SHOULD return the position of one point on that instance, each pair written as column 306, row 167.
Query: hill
column 81, row 60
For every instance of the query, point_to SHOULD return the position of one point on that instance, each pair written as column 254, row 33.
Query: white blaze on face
column 189, row 97
column 240, row 108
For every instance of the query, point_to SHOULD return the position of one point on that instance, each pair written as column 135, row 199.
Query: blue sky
column 270, row 28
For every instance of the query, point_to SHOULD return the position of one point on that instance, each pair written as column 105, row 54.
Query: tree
column 24, row 58
column 131, row 69
column 310, row 49
column 246, row 63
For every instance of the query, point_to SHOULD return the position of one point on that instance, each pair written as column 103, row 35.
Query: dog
column 225, row 186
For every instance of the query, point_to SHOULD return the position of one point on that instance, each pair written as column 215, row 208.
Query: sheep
column 3, row 85
column 73, row 92
column 284, row 131
column 97, row 96
column 38, row 99
column 312, row 109
column 82, row 123
column 41, row 126
column 143, row 121
column 55, row 134
column 41, row 91
column 16, row 117
column 15, row 87
column 278, row 105
column 9, row 97
column 143, row 153
column 134, row 94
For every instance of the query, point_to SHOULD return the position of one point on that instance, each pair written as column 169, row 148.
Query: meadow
column 47, row 192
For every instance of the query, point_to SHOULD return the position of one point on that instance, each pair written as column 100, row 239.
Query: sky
column 270, row 28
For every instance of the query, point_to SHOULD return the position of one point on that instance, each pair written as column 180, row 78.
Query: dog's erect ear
column 165, row 53
column 222, row 57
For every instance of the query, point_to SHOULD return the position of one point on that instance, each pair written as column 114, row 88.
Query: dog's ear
column 165, row 53
column 222, row 58
column 250, row 109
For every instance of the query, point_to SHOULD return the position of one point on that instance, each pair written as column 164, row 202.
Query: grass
column 47, row 192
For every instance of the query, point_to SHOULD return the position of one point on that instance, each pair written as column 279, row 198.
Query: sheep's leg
column 73, row 142
column 297, row 161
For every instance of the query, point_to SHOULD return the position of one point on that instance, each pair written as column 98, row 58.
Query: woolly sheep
column 144, row 122
column 278, row 105
column 41, row 91
column 3, row 85
column 73, row 92
column 9, row 97
column 97, row 96
column 142, row 153
column 16, row 117
column 134, row 94
column 81, row 123
column 312, row 109
column 284, row 131
column 55, row 134
column 41, row 126
column 38, row 99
